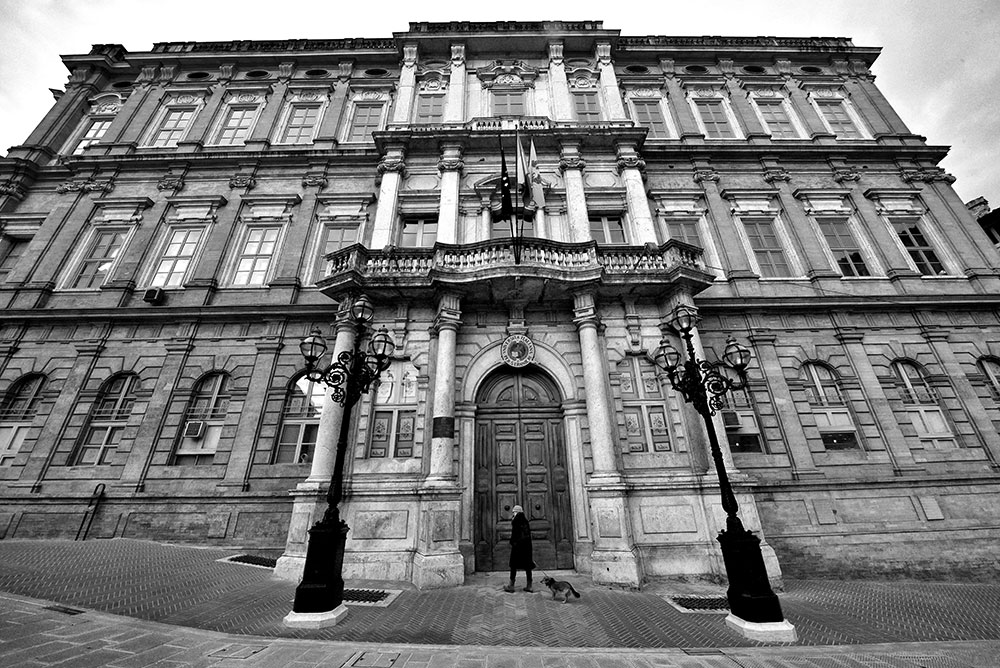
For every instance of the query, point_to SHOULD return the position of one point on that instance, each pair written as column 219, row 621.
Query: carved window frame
column 893, row 205
column 179, row 101
column 300, row 413
column 301, row 98
column 689, row 206
column 399, row 411
column 696, row 91
column 818, row 94
column 115, row 219
column 237, row 100
column 508, row 77
column 822, row 204
column 365, row 98
column 769, row 95
column 104, row 108
column 762, row 205
column 654, row 97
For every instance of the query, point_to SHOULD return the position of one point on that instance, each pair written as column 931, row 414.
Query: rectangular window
column 740, row 420
column 172, row 127
column 836, row 116
column 177, row 257
column 607, row 230
column 648, row 113
column 766, row 248
column 392, row 432
column 94, row 132
column 301, row 124
column 255, row 257
column 714, row 118
column 643, row 410
column 296, row 442
column 11, row 439
column 508, row 103
column 586, row 107
column 100, row 444
column 430, row 108
column 776, row 118
column 845, row 249
column 684, row 229
column 367, row 119
column 236, row 125
column 916, row 244
column 333, row 238
column 418, row 233
column 99, row 258
column 11, row 250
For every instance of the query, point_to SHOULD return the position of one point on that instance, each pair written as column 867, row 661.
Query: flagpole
column 518, row 228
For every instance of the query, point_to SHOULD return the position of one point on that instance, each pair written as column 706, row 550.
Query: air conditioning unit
column 194, row 429
column 154, row 296
column 732, row 419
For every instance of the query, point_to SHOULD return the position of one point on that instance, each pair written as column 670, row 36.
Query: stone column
column 454, row 110
column 292, row 262
column 197, row 136
column 736, row 262
column 687, row 126
column 615, row 110
column 451, row 166
column 864, row 87
column 407, row 85
column 572, row 166
column 801, row 228
column 558, row 84
column 630, row 166
column 135, row 257
column 595, row 381
column 204, row 277
column 260, row 138
column 143, row 90
column 885, row 418
column 884, row 240
column 449, row 318
column 131, row 133
column 310, row 494
column 745, row 115
column 391, row 169
column 326, row 135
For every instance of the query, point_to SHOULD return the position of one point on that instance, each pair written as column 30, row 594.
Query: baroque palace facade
column 184, row 216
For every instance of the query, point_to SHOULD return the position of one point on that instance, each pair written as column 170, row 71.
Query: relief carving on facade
column 12, row 189
column 88, row 185
column 242, row 181
column 706, row 175
column 170, row 183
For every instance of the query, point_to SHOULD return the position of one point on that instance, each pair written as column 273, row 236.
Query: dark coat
column 520, row 544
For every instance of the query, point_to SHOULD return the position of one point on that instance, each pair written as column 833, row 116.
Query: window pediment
column 507, row 74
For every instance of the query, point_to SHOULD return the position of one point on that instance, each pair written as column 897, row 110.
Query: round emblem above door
column 517, row 351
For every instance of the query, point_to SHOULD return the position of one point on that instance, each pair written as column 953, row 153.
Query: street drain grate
column 378, row 598
column 251, row 560
column 63, row 609
column 238, row 651
column 700, row 603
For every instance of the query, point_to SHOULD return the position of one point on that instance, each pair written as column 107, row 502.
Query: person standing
column 520, row 548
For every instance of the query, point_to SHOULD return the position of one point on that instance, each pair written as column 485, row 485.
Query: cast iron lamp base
column 322, row 587
column 750, row 595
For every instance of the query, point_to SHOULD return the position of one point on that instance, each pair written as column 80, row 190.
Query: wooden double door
column 520, row 459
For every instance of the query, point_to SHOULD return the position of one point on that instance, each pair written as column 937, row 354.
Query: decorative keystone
column 314, row 181
column 849, row 174
column 170, row 183
column 630, row 162
column 242, row 181
column 777, row 174
column 706, row 175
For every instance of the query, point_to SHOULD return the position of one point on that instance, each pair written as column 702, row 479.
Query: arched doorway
column 520, row 458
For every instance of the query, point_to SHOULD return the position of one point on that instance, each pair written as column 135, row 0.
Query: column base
column 616, row 567
column 290, row 567
column 315, row 620
column 782, row 631
column 309, row 504
column 437, row 571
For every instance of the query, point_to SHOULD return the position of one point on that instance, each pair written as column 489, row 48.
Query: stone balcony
column 487, row 269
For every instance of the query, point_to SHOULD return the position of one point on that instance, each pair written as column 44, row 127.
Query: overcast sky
column 939, row 65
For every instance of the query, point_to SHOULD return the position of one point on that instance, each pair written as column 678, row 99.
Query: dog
column 560, row 587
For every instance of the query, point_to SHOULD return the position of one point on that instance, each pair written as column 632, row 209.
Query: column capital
column 556, row 53
column 409, row 55
column 762, row 336
column 457, row 55
column 932, row 333
column 449, row 312
column 88, row 348
column 849, row 335
column 703, row 175
column 585, row 310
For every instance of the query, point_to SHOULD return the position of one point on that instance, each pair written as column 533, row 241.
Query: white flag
column 534, row 178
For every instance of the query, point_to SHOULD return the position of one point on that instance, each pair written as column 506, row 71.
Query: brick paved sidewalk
column 188, row 587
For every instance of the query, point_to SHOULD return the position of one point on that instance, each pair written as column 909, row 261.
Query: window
column 172, row 127
column 236, row 124
column 684, row 229
column 182, row 245
column 740, row 419
column 766, row 247
column 607, row 230
column 11, row 250
column 254, row 261
column 430, row 108
column 776, row 118
column 920, row 402
column 418, row 233
column 106, row 424
column 93, row 134
column 991, row 369
column 714, row 119
column 648, row 113
column 644, row 411
column 301, row 124
column 912, row 386
column 508, row 103
column 99, row 259
column 833, row 418
column 18, row 408
column 586, row 107
column 394, row 415
column 834, row 112
column 333, row 237
column 299, row 422
column 846, row 252
column 919, row 249
column 367, row 119
column 203, row 420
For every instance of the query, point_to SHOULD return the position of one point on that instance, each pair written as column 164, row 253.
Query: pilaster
column 391, row 169
column 450, row 166
column 407, row 85
column 559, row 84
column 631, row 165
column 572, row 165
column 454, row 110
column 614, row 110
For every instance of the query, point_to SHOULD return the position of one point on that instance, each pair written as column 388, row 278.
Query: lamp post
column 704, row 384
column 349, row 377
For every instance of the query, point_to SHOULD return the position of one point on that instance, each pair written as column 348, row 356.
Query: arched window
column 991, row 369
column 17, row 409
column 107, row 421
column 299, row 422
column 203, row 420
column 833, row 417
column 921, row 404
column 912, row 385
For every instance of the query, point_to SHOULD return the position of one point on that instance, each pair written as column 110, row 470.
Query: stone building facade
column 184, row 216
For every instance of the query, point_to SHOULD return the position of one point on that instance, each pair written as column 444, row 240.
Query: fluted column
column 407, row 85
column 391, row 169
column 630, row 166
column 558, row 84
column 451, row 166
column 454, row 109
column 572, row 166
column 446, row 324
column 595, row 381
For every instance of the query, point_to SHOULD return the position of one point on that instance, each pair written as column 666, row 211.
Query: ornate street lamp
column 349, row 377
column 704, row 385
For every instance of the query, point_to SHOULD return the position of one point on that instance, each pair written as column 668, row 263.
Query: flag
column 524, row 186
column 506, row 206
column 534, row 178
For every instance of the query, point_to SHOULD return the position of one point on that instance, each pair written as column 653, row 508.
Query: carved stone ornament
column 185, row 99
column 777, row 174
column 314, row 181
column 247, row 97
column 13, row 189
column 556, row 53
column 517, row 351
column 108, row 108
column 370, row 95
column 242, row 181
column 391, row 165
column 824, row 92
column 645, row 92
column 705, row 92
column 308, row 96
column 508, row 80
column 432, row 85
column 451, row 165
column 849, row 174
column 630, row 162
column 457, row 54
column 583, row 82
column 170, row 183
column 926, row 175
column 89, row 185
column 706, row 175
column 572, row 162
column 766, row 92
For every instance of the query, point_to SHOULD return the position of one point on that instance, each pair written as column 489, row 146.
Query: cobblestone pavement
column 188, row 587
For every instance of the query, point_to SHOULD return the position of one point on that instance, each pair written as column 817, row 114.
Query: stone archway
column 520, row 459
